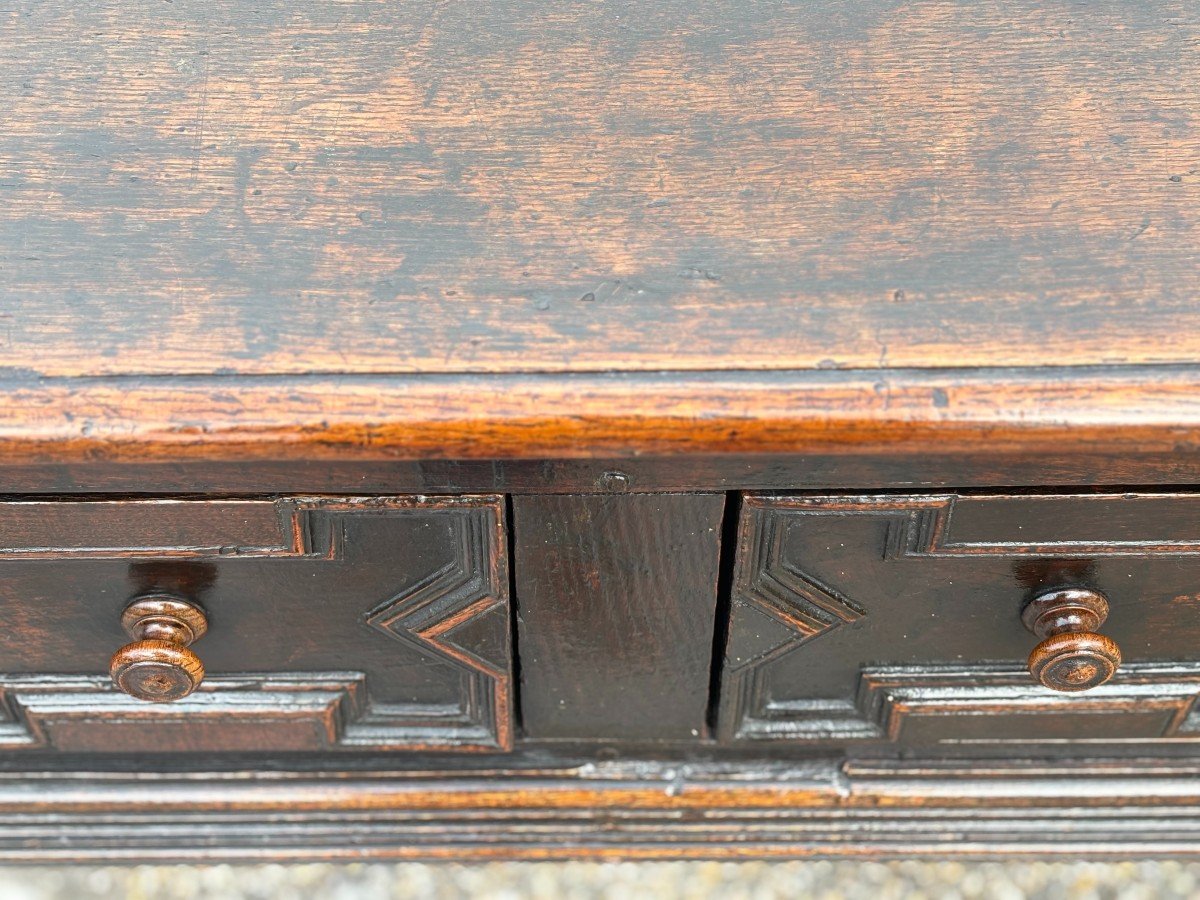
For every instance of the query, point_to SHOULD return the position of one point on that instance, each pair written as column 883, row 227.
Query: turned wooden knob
column 1071, row 656
column 158, row 666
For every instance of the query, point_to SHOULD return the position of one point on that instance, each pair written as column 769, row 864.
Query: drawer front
column 896, row 621
column 333, row 623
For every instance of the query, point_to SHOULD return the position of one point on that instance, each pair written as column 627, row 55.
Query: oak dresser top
column 496, row 230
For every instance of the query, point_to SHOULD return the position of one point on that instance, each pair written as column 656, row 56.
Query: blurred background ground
column 612, row 881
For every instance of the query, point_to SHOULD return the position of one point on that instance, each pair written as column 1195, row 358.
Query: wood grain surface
column 860, row 620
column 617, row 604
column 1142, row 418
column 414, row 244
column 347, row 624
column 313, row 187
column 628, row 809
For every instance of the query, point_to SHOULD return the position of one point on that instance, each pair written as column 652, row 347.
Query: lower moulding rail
column 627, row 810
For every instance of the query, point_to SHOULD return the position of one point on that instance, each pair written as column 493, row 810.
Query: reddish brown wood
column 629, row 257
column 158, row 666
column 946, row 228
column 1146, row 419
column 1020, row 808
column 1074, row 662
column 687, row 185
column 1071, row 657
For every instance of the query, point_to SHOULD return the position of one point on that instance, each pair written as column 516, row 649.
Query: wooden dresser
column 671, row 428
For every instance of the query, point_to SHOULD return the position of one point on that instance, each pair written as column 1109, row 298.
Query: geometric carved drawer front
column 334, row 623
column 895, row 620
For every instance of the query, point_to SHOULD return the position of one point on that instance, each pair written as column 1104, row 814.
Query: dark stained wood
column 380, row 187
column 355, row 623
column 284, row 712
column 165, row 526
column 265, row 266
column 704, row 473
column 616, row 607
column 979, row 710
column 867, row 622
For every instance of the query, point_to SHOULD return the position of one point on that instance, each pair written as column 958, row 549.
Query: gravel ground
column 617, row 881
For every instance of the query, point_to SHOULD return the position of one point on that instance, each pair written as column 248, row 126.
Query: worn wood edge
column 634, row 811
column 1102, row 412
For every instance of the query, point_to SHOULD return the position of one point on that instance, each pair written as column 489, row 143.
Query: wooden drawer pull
column 158, row 666
column 1071, row 656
